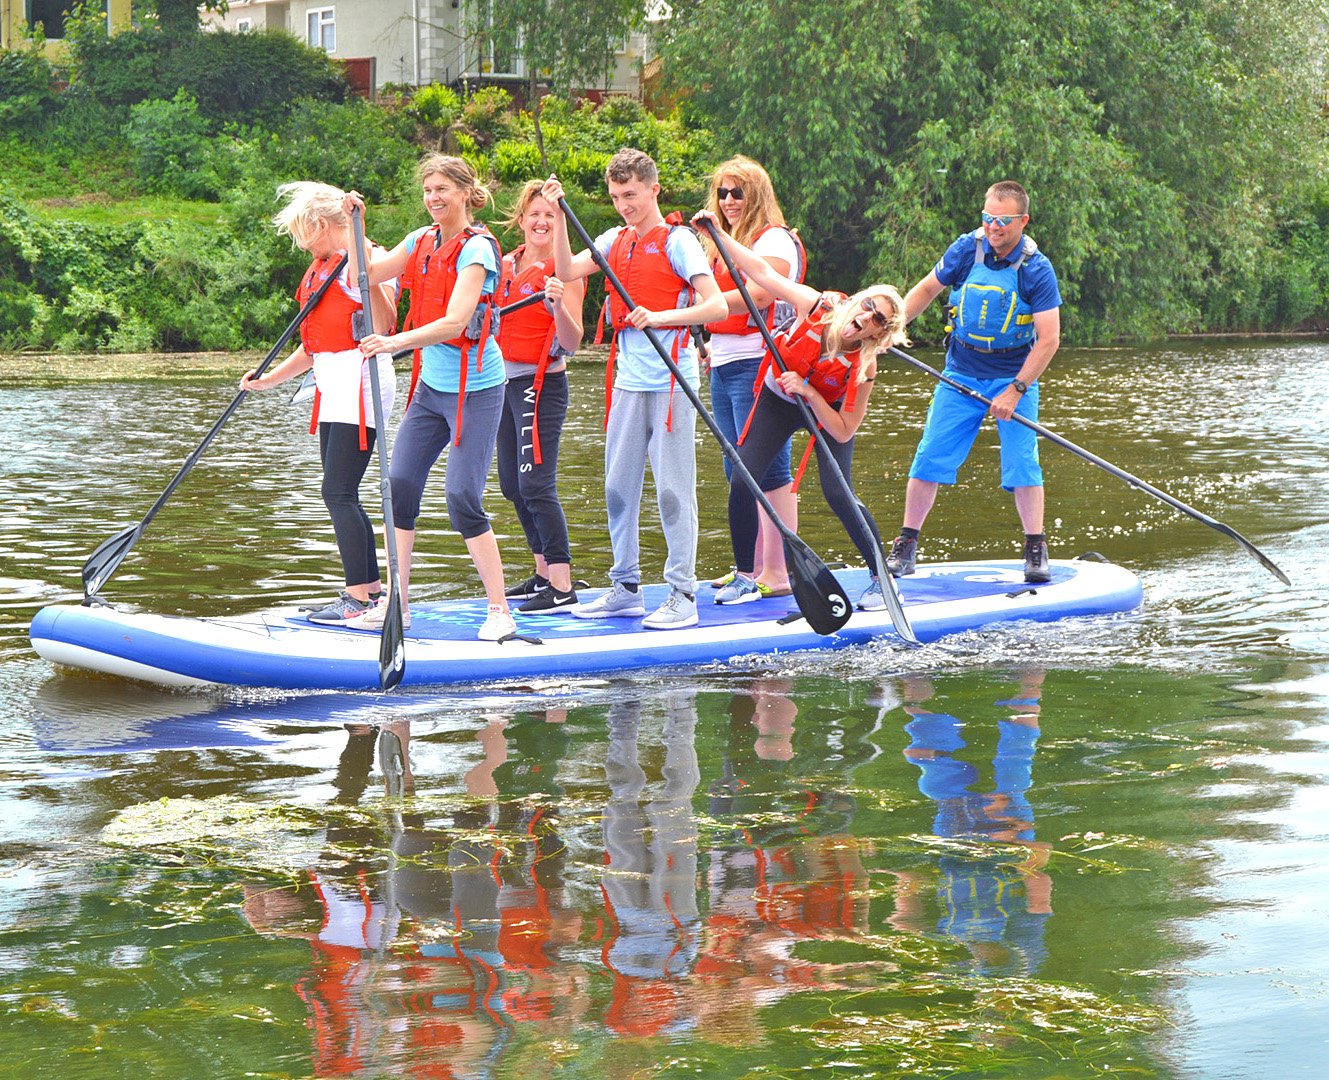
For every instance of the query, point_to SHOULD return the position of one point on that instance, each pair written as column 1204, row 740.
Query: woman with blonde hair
column 830, row 352
column 452, row 269
column 742, row 202
column 313, row 217
column 536, row 341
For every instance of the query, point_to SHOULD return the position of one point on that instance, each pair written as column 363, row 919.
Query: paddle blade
column 896, row 608
column 392, row 649
column 110, row 553
column 820, row 597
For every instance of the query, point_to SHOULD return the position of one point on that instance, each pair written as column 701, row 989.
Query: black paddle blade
column 392, row 649
column 110, row 553
column 820, row 597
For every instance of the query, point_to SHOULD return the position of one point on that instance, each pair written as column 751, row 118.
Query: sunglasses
column 999, row 219
column 880, row 321
column 722, row 193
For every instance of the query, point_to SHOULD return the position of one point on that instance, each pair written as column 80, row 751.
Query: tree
column 566, row 44
column 180, row 17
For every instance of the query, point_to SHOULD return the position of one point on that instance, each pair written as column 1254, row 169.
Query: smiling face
column 731, row 198
column 1003, row 238
column 872, row 318
column 444, row 200
column 635, row 202
column 537, row 223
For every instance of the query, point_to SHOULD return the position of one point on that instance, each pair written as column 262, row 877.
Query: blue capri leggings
column 425, row 432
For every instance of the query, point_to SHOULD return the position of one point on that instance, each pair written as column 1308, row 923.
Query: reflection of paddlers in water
column 536, row 341
column 996, row 904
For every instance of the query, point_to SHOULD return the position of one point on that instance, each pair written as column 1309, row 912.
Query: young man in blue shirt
column 1005, row 329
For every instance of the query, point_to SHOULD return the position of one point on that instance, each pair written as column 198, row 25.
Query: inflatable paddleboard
column 281, row 649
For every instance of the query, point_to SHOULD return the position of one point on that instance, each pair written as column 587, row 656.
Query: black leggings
column 532, row 488
column 772, row 425
column 344, row 465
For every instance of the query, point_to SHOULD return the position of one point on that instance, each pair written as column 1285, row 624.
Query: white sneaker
column 618, row 602
column 873, row 599
column 498, row 624
column 374, row 617
column 674, row 614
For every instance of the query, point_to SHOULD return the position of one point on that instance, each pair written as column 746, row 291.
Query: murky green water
column 1047, row 851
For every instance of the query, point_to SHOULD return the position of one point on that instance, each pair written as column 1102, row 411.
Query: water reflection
column 993, row 891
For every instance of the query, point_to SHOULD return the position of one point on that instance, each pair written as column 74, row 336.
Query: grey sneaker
column 617, row 602
column 741, row 590
column 341, row 611
column 904, row 554
column 1036, row 568
column 873, row 599
column 675, row 613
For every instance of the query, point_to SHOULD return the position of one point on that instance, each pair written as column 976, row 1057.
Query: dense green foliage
column 1173, row 148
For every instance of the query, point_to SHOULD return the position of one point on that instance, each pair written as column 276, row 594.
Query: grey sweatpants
column 635, row 434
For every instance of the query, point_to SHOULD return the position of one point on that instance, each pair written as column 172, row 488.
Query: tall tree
column 565, row 44
column 181, row 16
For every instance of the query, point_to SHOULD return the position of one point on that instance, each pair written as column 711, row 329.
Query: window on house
column 51, row 14
column 491, row 60
column 322, row 23
column 244, row 26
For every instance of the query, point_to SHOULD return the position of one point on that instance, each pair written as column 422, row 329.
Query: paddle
column 111, row 552
column 516, row 305
column 391, row 651
column 1106, row 466
column 884, row 577
column 820, row 597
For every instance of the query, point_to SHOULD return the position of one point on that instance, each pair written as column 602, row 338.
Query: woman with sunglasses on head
column 830, row 352
column 743, row 203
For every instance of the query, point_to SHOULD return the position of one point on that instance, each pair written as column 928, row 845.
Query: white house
column 415, row 42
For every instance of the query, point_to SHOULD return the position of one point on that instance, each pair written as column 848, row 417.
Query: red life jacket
column 741, row 322
column 834, row 377
column 642, row 265
column 431, row 275
column 528, row 336
column 328, row 328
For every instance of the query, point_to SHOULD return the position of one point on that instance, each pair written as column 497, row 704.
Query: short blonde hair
column 889, row 302
column 458, row 172
column 760, row 207
column 308, row 202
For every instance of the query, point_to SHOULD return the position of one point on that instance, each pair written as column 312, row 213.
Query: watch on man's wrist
column 1020, row 385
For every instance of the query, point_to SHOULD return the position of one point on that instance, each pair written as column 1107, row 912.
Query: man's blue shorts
column 952, row 425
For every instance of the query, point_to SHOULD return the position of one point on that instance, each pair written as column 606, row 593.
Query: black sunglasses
column 726, row 192
column 878, row 319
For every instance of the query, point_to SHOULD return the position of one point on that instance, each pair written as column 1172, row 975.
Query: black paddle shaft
column 392, row 651
column 104, row 562
column 1106, row 466
column 837, row 605
column 884, row 578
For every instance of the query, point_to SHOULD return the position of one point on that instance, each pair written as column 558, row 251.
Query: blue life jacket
column 988, row 314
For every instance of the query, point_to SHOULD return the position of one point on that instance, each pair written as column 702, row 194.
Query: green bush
column 516, row 161
column 488, row 112
column 435, row 105
column 171, row 148
column 27, row 87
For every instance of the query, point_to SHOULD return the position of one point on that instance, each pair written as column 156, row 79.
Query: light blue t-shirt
column 440, row 365
column 638, row 366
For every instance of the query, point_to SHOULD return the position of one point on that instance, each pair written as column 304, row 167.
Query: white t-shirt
column 343, row 377
column 726, row 348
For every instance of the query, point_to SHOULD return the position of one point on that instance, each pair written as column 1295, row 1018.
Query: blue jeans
column 731, row 402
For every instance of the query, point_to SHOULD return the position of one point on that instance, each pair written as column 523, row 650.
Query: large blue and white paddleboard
column 280, row 648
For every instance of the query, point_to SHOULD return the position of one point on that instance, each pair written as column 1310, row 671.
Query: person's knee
column 466, row 515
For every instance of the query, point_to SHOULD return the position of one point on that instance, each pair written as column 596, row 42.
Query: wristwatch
column 1020, row 385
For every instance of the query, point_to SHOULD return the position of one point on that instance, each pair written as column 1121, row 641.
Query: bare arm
column 921, row 295
column 567, row 302
column 567, row 266
column 383, row 265
column 709, row 306
column 1047, row 325
column 296, row 364
column 839, row 425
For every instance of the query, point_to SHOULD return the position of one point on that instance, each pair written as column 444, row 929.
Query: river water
column 1094, row 848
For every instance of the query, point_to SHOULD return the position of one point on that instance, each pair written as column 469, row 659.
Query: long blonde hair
column 889, row 302
column 308, row 202
column 458, row 172
column 760, row 207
